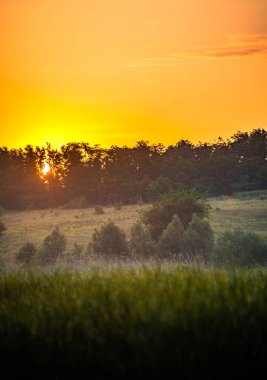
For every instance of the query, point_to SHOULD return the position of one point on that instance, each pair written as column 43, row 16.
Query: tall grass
column 154, row 322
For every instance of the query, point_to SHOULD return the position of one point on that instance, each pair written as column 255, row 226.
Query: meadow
column 126, row 319
column 247, row 213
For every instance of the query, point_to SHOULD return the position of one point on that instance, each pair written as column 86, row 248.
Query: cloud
column 238, row 47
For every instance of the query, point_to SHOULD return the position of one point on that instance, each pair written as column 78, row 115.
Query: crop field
column 78, row 225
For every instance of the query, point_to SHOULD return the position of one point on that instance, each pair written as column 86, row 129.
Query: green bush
column 54, row 245
column 183, row 203
column 170, row 242
column 2, row 228
column 27, row 254
column 198, row 238
column 141, row 243
column 239, row 248
column 108, row 240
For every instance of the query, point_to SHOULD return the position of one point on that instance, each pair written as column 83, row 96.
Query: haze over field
column 115, row 72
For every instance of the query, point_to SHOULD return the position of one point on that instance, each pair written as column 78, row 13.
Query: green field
column 158, row 322
column 249, row 214
column 130, row 320
column 78, row 225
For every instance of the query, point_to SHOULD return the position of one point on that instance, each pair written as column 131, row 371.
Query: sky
column 113, row 72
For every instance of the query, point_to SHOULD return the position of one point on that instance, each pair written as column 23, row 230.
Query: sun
column 46, row 168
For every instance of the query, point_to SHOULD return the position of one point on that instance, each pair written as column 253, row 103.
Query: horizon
column 150, row 143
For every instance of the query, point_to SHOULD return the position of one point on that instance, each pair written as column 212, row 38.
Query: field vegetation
column 135, row 322
column 78, row 225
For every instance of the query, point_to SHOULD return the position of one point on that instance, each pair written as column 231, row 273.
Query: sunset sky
column 119, row 71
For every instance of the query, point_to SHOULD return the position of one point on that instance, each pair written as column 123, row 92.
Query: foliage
column 2, row 228
column 82, row 175
column 53, row 246
column 27, row 254
column 136, row 322
column 183, row 203
column 170, row 241
column 108, row 240
column 199, row 237
column 239, row 248
column 141, row 243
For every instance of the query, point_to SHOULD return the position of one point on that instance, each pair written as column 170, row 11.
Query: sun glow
column 46, row 168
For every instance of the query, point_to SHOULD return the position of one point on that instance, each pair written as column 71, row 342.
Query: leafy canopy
column 180, row 202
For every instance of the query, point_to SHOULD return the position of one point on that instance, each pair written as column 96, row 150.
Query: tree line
column 82, row 175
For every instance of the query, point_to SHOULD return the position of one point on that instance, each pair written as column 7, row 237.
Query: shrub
column 199, row 237
column 183, row 203
column 239, row 248
column 2, row 228
column 54, row 245
column 108, row 240
column 27, row 254
column 141, row 243
column 99, row 210
column 170, row 241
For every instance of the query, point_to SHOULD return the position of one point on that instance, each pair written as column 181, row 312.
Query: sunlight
column 46, row 168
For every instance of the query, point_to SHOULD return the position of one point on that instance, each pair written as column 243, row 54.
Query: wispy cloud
column 237, row 47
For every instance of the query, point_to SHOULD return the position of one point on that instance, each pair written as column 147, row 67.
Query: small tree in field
column 198, row 238
column 141, row 243
column 54, row 245
column 27, row 254
column 170, row 242
column 108, row 240
column 183, row 203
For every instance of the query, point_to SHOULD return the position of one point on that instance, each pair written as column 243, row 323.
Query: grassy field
column 78, row 225
column 247, row 214
column 126, row 320
column 158, row 322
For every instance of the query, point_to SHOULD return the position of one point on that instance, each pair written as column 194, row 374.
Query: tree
column 108, row 240
column 141, row 243
column 54, row 245
column 170, row 242
column 198, row 238
column 183, row 203
column 26, row 254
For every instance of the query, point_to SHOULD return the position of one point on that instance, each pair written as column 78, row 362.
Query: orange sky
column 118, row 71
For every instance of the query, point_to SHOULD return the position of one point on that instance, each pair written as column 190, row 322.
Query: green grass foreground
column 158, row 322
